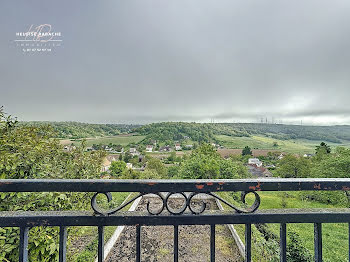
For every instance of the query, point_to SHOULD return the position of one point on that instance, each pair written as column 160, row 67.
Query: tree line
column 76, row 130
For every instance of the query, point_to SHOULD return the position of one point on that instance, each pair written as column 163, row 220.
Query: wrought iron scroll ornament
column 188, row 200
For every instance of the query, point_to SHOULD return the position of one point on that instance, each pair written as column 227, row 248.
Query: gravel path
column 157, row 241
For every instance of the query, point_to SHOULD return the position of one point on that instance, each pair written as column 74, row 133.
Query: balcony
column 165, row 214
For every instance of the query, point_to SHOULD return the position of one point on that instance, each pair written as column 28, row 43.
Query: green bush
column 296, row 251
column 326, row 197
column 28, row 152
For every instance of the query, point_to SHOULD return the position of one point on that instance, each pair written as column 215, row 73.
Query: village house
column 165, row 149
column 119, row 152
column 149, row 148
column 69, row 148
column 109, row 149
column 107, row 161
column 189, row 146
column 255, row 162
column 134, row 152
column 178, row 147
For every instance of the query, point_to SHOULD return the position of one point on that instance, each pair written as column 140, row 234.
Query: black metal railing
column 166, row 215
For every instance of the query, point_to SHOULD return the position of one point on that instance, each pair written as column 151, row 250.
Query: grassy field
column 335, row 236
column 117, row 140
column 263, row 142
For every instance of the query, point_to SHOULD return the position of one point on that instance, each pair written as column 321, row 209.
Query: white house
column 255, row 161
column 178, row 147
column 149, row 148
column 132, row 150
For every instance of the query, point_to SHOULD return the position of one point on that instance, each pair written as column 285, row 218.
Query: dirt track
column 157, row 242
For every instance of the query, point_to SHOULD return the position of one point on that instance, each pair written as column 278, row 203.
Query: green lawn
column 262, row 142
column 335, row 236
column 118, row 140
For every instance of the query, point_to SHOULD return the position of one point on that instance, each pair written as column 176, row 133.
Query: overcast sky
column 169, row 60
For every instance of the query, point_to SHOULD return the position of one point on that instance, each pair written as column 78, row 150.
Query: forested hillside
column 333, row 134
column 174, row 131
column 76, row 130
column 205, row 132
column 199, row 132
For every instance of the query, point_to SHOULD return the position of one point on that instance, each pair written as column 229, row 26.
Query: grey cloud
column 145, row 61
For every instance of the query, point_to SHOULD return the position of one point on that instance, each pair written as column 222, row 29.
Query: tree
column 292, row 166
column 206, row 149
column 117, row 168
column 230, row 169
column 275, row 144
column 336, row 165
column 246, row 151
column 127, row 157
column 130, row 174
column 156, row 166
column 201, row 166
column 150, row 174
column 206, row 163
column 172, row 157
column 173, row 171
column 118, row 148
column 323, row 148
column 134, row 160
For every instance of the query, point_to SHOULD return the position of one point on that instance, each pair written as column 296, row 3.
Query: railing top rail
column 85, row 218
column 150, row 186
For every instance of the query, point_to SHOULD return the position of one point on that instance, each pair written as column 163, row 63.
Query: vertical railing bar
column 212, row 243
column 248, row 242
column 283, row 242
column 318, row 241
column 63, row 244
column 176, row 243
column 23, row 244
column 349, row 239
column 100, row 244
column 138, row 243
